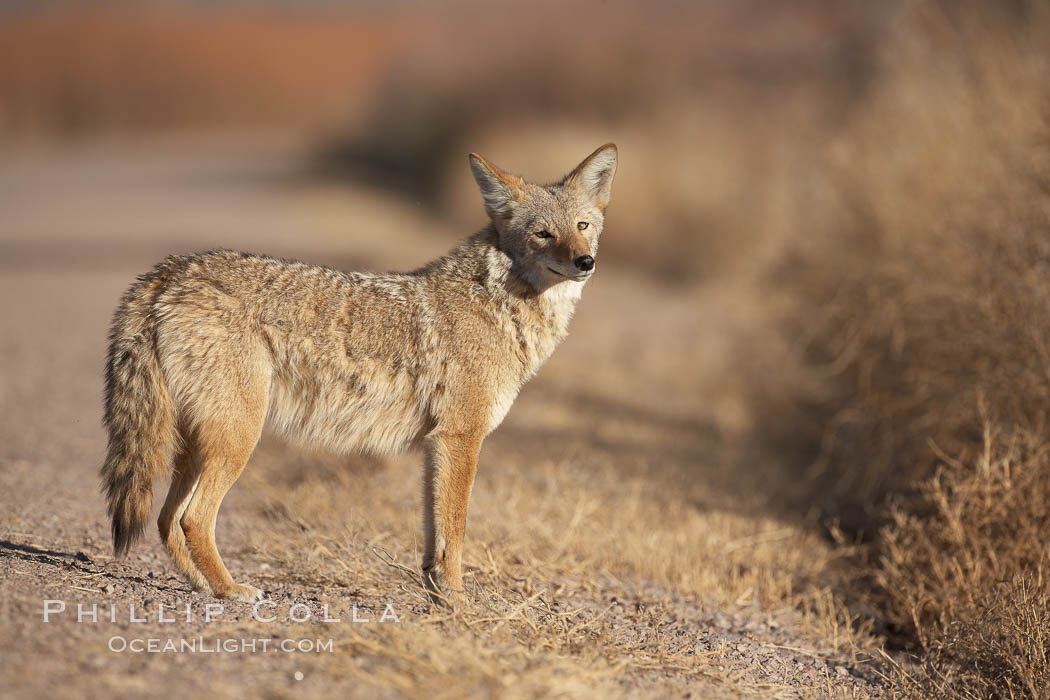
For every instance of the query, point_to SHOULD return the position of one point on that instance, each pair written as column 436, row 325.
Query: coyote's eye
column 543, row 234
column 582, row 225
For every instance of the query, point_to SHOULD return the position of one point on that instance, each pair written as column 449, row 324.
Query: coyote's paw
column 440, row 592
column 244, row 594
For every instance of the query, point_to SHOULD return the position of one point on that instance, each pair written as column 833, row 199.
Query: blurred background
column 722, row 109
column 826, row 258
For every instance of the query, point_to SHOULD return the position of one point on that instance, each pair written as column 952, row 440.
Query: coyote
column 205, row 349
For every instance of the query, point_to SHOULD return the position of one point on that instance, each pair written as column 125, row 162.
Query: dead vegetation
column 921, row 324
column 968, row 577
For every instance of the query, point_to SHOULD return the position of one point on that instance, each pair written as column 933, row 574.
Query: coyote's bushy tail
column 139, row 415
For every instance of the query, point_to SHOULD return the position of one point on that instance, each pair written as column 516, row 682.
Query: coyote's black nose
column 584, row 262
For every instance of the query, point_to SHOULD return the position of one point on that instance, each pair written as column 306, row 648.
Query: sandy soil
column 614, row 546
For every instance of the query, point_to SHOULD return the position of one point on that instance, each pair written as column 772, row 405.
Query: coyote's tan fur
column 205, row 349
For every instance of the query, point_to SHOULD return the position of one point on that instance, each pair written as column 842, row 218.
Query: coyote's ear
column 594, row 176
column 500, row 190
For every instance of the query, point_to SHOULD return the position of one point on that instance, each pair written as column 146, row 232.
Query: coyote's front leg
column 448, row 476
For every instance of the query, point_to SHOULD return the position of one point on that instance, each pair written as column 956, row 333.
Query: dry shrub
column 970, row 578
column 922, row 279
column 921, row 295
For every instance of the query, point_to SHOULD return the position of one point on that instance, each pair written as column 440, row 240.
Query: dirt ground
column 617, row 545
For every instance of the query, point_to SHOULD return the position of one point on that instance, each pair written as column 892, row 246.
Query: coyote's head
column 550, row 232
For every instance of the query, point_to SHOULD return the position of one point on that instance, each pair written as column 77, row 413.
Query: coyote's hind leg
column 222, row 459
column 228, row 421
column 183, row 483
